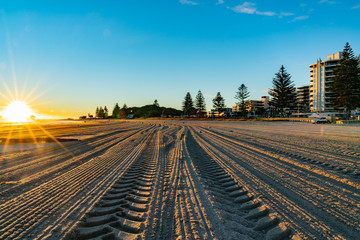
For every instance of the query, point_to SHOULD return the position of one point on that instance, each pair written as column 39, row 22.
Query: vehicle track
column 343, row 191
column 123, row 211
column 25, row 215
column 34, row 162
column 65, row 163
column 237, row 201
column 324, row 155
column 256, row 164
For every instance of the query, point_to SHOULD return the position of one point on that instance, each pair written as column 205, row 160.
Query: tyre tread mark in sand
column 123, row 210
column 70, row 163
column 268, row 168
column 26, row 212
column 328, row 159
column 264, row 220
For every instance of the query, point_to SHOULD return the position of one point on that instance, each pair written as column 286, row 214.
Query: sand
column 181, row 180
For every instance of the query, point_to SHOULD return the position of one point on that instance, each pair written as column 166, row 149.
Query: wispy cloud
column 356, row 7
column 299, row 18
column 285, row 14
column 250, row 8
column 246, row 7
column 327, row 1
column 220, row 2
column 188, row 2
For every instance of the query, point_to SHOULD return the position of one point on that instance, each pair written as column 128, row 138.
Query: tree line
column 151, row 110
column 344, row 92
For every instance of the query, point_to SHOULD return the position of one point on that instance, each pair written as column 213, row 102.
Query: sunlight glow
column 17, row 111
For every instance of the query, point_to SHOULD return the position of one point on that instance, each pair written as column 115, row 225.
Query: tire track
column 323, row 156
column 265, row 181
column 24, row 214
column 254, row 217
column 304, row 184
column 123, row 211
column 65, row 164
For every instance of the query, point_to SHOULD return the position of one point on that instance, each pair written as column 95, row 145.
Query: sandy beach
column 158, row 179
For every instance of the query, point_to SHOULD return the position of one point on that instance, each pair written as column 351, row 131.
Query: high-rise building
column 303, row 98
column 321, row 76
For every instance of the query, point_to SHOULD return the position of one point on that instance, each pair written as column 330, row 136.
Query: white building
column 321, row 76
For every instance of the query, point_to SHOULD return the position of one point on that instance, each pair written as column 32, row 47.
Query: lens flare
column 17, row 111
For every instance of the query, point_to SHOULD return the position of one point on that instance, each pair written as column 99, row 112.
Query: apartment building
column 321, row 76
column 252, row 106
column 303, row 98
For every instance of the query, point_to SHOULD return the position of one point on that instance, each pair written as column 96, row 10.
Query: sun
column 17, row 111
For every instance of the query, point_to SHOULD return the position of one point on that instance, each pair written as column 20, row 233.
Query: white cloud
column 250, row 8
column 299, row 18
column 328, row 1
column 188, row 2
column 266, row 13
column 285, row 14
column 246, row 7
column 220, row 2
column 356, row 7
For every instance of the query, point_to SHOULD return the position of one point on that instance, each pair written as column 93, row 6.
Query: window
column 315, row 75
column 321, row 74
column 322, row 69
column 315, row 71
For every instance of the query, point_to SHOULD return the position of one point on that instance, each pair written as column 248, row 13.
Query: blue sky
column 76, row 55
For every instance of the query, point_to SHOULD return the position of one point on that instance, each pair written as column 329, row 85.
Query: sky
column 68, row 57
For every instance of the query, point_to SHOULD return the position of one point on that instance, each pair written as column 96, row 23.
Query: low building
column 265, row 100
column 252, row 106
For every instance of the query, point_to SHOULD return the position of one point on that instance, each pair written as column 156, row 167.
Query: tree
column 200, row 102
column 345, row 90
column 101, row 113
column 116, row 111
column 156, row 103
column 218, row 102
column 283, row 92
column 106, row 112
column 188, row 105
column 97, row 112
column 124, row 111
column 241, row 95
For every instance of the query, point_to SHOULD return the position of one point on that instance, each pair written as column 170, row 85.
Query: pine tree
column 345, row 90
column 200, row 102
column 101, row 112
column 283, row 92
column 97, row 112
column 124, row 111
column 106, row 112
column 188, row 105
column 241, row 95
column 116, row 111
column 218, row 102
